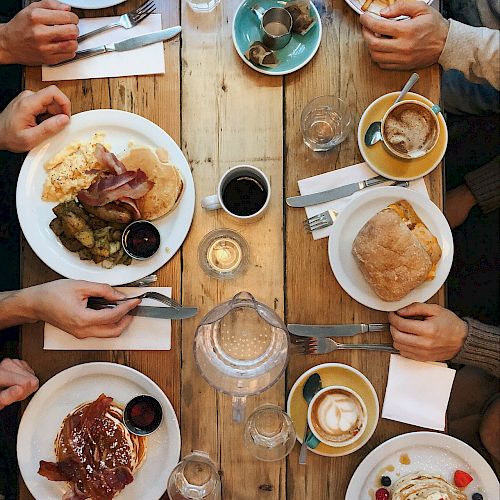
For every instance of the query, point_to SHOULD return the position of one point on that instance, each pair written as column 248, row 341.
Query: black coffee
column 244, row 195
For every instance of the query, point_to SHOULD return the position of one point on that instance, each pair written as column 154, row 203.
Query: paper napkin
column 342, row 177
column 144, row 61
column 151, row 334
column 417, row 393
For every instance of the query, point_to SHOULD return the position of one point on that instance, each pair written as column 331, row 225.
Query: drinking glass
column 203, row 5
column 325, row 122
column 195, row 477
column 269, row 433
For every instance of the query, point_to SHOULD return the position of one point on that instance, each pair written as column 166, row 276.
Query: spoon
column 374, row 133
column 311, row 387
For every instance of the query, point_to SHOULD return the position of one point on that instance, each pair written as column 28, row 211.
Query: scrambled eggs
column 71, row 170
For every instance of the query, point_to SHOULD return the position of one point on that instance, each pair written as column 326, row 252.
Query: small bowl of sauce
column 142, row 415
column 141, row 239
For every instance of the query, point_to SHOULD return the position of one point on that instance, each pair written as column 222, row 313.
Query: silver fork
column 99, row 301
column 315, row 345
column 146, row 281
column 327, row 218
column 126, row 21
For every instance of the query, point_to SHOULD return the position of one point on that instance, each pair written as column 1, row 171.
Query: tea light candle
column 224, row 254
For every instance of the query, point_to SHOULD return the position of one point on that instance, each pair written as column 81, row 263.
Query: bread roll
column 396, row 252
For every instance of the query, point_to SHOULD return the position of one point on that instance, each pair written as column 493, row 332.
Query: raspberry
column 382, row 494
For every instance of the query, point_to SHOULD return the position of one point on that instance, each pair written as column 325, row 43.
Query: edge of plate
column 385, row 174
column 81, row 5
column 276, row 73
column 314, row 369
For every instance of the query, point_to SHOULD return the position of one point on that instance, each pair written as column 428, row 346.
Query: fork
column 146, row 281
column 327, row 218
column 315, row 345
column 126, row 21
column 94, row 302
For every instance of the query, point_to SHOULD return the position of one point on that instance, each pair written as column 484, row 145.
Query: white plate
column 92, row 4
column 68, row 389
column 428, row 452
column 35, row 214
column 353, row 218
column 375, row 7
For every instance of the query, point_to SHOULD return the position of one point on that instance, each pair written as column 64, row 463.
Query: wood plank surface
column 233, row 115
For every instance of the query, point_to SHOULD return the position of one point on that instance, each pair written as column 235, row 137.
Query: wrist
column 467, row 196
column 16, row 308
column 4, row 51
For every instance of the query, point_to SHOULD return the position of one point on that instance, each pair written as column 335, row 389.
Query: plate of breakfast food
column 423, row 465
column 72, row 439
column 79, row 191
column 390, row 247
column 374, row 6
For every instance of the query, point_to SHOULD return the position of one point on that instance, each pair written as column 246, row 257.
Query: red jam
column 141, row 239
column 142, row 415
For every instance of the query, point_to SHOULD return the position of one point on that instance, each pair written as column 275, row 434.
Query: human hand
column 438, row 337
column 45, row 32
column 409, row 43
column 19, row 129
column 458, row 203
column 17, row 381
column 63, row 303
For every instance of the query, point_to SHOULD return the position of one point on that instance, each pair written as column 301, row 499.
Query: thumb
column 403, row 8
column 46, row 129
column 102, row 290
column 417, row 309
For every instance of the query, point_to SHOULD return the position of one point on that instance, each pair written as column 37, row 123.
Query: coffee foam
column 410, row 129
column 337, row 416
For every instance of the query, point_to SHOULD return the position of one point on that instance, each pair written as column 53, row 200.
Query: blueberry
column 477, row 496
column 386, row 481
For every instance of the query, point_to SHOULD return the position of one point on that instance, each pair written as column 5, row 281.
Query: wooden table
column 222, row 113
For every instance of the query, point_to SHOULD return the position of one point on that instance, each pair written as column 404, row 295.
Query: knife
column 129, row 44
column 336, row 330
column 154, row 312
column 333, row 194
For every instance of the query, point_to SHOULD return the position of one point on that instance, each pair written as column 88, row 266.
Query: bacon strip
column 109, row 160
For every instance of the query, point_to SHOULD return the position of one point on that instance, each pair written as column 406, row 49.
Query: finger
column 11, row 395
column 377, row 24
column 68, row 32
column 110, row 316
column 20, row 366
column 415, row 355
column 408, row 340
column 39, row 101
column 387, row 58
column 58, row 58
column 46, row 129
column 54, row 5
column 403, row 8
column 53, row 17
column 26, row 381
column 110, row 330
column 416, row 327
column 377, row 43
column 419, row 309
column 101, row 290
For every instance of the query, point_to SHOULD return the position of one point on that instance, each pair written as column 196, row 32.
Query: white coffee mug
column 215, row 201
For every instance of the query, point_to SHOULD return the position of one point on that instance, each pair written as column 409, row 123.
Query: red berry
column 382, row 494
column 462, row 479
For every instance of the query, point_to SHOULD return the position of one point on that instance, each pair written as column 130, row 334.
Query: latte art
column 338, row 416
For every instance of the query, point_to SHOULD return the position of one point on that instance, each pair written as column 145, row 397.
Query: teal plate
column 299, row 51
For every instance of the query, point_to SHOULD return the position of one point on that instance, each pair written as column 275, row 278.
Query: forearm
column 16, row 308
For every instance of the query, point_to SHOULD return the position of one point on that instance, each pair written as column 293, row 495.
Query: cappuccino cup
column 410, row 129
column 337, row 416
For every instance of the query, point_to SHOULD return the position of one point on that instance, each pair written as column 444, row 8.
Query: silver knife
column 333, row 194
column 164, row 312
column 129, row 44
column 335, row 330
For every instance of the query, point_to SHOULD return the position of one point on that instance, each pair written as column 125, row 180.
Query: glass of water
column 203, row 5
column 325, row 122
column 269, row 433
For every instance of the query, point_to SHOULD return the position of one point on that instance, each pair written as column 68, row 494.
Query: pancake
column 422, row 486
column 168, row 184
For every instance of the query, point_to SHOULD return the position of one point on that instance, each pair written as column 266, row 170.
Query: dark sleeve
column 484, row 184
column 481, row 347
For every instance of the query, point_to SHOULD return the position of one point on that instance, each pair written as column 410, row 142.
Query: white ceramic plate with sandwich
column 428, row 454
column 401, row 273
column 119, row 130
column 84, row 383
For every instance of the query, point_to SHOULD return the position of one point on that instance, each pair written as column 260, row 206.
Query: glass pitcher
column 241, row 348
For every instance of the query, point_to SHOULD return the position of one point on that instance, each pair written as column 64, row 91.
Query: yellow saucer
column 334, row 374
column 385, row 163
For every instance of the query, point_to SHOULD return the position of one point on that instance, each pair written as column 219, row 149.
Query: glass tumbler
column 269, row 433
column 195, row 477
column 203, row 5
column 325, row 122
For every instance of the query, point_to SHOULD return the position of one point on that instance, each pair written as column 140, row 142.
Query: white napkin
column 147, row 334
column 417, row 393
column 144, row 61
column 342, row 177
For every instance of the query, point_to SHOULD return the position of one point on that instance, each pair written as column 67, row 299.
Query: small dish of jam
column 141, row 239
column 142, row 415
